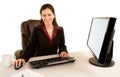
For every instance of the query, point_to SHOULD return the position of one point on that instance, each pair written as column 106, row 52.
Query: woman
column 47, row 37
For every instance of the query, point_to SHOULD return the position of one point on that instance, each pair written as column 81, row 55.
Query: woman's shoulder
column 38, row 27
column 59, row 27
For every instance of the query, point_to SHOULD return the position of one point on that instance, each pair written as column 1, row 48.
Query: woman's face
column 47, row 16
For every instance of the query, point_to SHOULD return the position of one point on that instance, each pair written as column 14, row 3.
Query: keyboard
column 50, row 62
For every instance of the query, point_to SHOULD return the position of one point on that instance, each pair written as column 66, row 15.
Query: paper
column 27, row 73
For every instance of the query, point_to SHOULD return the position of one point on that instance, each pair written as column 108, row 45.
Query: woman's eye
column 44, row 15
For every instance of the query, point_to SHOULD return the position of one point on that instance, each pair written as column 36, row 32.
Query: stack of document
column 27, row 73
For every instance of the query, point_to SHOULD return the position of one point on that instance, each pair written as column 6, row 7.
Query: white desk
column 80, row 68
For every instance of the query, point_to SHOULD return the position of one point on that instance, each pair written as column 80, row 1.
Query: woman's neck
column 49, row 27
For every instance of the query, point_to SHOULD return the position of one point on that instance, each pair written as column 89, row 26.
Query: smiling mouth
column 47, row 21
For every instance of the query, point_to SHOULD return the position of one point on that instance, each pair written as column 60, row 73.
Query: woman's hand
column 63, row 54
column 19, row 62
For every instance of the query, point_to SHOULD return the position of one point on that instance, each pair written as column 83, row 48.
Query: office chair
column 26, row 31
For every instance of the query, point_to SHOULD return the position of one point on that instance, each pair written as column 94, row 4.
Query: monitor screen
column 100, row 36
column 98, row 31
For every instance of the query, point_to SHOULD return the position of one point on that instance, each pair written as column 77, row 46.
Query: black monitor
column 100, row 41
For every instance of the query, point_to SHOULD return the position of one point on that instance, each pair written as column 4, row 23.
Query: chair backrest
column 26, row 30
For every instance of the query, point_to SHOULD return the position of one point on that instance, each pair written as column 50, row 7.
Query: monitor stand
column 109, row 62
column 94, row 61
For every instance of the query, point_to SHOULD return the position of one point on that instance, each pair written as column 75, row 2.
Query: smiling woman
column 47, row 38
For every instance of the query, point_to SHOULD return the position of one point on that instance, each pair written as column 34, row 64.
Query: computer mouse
column 18, row 66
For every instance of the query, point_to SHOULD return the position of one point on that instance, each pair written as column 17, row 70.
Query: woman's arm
column 30, row 49
column 62, row 48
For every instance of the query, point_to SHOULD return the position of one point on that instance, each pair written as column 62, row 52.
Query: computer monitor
column 100, row 41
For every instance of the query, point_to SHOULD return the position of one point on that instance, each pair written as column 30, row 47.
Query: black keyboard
column 50, row 62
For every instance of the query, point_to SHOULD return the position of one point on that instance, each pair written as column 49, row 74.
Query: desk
column 80, row 68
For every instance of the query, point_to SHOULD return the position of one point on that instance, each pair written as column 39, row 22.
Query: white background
column 74, row 15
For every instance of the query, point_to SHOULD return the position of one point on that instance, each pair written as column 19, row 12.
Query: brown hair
column 49, row 6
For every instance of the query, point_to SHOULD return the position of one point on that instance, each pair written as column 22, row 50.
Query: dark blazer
column 39, row 44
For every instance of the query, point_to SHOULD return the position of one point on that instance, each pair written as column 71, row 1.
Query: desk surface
column 80, row 68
